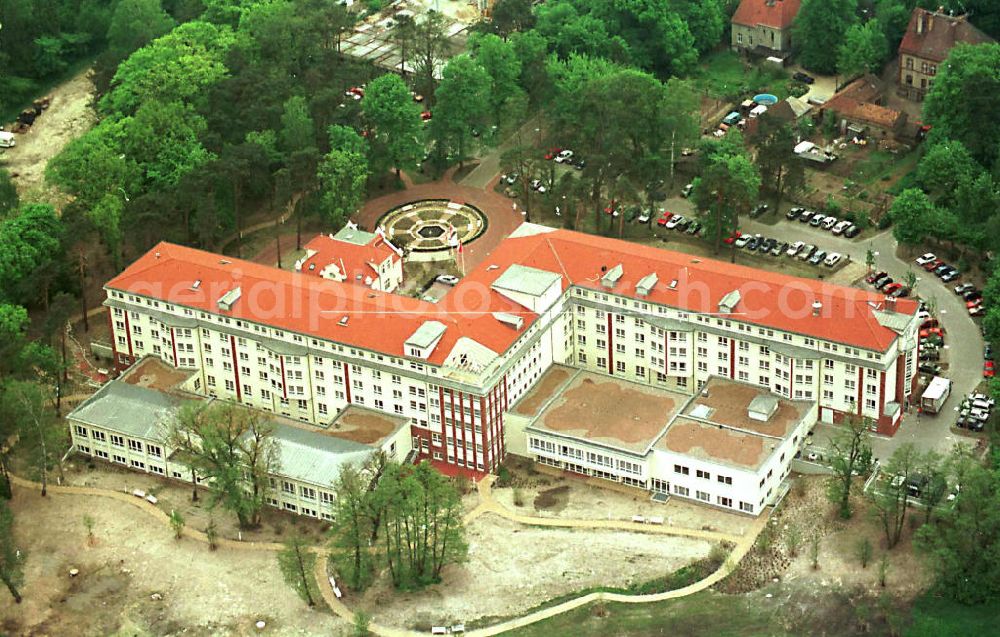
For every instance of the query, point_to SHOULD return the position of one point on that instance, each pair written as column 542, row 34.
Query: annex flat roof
column 601, row 409
column 728, row 402
column 313, row 456
column 365, row 426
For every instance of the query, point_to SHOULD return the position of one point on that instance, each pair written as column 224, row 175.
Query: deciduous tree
column 727, row 189
column 134, row 24
column 343, row 173
column 297, row 563
column 850, row 454
column 394, row 124
column 819, row 29
column 234, row 449
column 889, row 497
column 863, row 50
column 462, row 102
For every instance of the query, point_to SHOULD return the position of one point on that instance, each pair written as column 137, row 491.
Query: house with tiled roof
column 764, row 26
column 860, row 110
column 307, row 348
column 363, row 258
column 929, row 38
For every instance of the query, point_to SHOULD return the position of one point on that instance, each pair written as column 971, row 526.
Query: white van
column 7, row 140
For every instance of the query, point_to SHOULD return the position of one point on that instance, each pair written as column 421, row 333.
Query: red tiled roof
column 939, row 35
column 383, row 322
column 359, row 261
column 856, row 101
column 772, row 13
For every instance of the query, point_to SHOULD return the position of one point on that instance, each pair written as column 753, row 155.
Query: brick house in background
column 764, row 26
column 929, row 39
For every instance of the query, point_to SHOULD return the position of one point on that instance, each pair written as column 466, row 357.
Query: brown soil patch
column 69, row 116
column 713, row 443
column 593, row 409
column 554, row 499
column 152, row 373
column 364, row 427
column 542, row 392
column 730, row 402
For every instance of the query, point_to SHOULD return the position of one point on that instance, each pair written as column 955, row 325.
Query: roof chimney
column 920, row 23
column 817, row 306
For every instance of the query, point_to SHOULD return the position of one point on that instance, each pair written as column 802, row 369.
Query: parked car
column 930, row 368
column 752, row 243
column 731, row 239
column 874, row 276
column 758, row 210
column 829, row 223
column 930, row 266
column 839, row 228
column 972, row 295
column 447, row 279
column 948, row 277
column 987, row 351
column 962, row 288
column 579, row 163
column 817, row 257
column 536, row 184
column 852, row 231
column 694, row 227
column 675, row 221
column 817, row 220
column 930, row 355
column 664, row 219
column 644, row 216
column 553, row 153
column 779, row 248
column 805, row 216
column 901, row 292
column 832, row 259
column 795, row 248
column 806, row 252
column 564, row 156
column 880, row 285
column 805, row 78
column 794, row 213
column 926, row 258
column 686, row 190
column 978, row 310
column 892, row 288
column 989, row 369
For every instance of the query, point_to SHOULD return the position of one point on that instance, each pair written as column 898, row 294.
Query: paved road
column 482, row 176
column 964, row 348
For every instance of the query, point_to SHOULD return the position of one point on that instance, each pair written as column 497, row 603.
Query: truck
column 935, row 394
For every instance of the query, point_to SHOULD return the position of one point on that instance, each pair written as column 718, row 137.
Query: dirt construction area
column 512, row 568
column 69, row 115
column 137, row 580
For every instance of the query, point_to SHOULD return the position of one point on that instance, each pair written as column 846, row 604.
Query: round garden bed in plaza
column 425, row 226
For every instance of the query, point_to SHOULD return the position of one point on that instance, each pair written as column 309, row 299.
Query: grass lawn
column 936, row 616
column 706, row 614
column 723, row 75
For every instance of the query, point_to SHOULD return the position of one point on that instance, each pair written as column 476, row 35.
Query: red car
column 892, row 287
column 929, row 323
column 664, row 218
column 973, row 303
column 611, row 208
column 426, row 115
column 988, row 369
column 730, row 239
column 930, row 266
column 932, row 331
column 553, row 153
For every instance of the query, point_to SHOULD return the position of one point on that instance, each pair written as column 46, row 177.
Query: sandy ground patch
column 512, row 568
column 586, row 502
column 203, row 593
column 69, row 116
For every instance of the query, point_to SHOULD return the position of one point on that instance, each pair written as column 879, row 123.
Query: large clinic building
column 660, row 326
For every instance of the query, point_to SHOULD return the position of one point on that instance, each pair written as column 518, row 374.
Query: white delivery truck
column 935, row 394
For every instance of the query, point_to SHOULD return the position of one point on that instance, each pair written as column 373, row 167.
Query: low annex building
column 730, row 445
column 127, row 423
column 860, row 110
column 662, row 323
